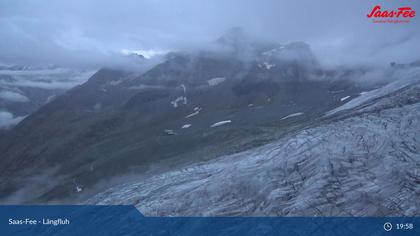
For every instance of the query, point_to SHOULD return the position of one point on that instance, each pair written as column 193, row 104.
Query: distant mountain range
column 23, row 89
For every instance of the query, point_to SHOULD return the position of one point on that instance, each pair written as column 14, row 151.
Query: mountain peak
column 233, row 36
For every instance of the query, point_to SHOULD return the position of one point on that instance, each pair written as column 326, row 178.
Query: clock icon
column 387, row 226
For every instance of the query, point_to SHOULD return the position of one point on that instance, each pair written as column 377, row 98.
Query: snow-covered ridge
column 410, row 79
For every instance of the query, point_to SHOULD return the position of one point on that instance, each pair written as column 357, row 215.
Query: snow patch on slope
column 344, row 98
column 178, row 100
column 196, row 112
column 220, row 123
column 292, row 115
column 186, row 126
column 215, row 81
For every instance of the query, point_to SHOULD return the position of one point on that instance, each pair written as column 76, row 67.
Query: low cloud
column 13, row 96
column 7, row 119
column 94, row 33
column 45, row 79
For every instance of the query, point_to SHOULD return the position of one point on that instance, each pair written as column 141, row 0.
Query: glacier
column 362, row 159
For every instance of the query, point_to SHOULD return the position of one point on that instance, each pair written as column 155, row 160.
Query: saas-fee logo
column 399, row 15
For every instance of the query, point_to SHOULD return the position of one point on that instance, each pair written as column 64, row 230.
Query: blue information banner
column 127, row 220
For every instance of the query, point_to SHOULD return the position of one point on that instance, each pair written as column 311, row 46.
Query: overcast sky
column 92, row 32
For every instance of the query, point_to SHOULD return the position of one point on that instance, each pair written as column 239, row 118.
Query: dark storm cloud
column 94, row 32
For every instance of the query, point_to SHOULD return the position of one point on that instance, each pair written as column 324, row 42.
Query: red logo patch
column 400, row 15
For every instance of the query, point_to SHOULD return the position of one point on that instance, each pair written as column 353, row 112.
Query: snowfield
column 365, row 162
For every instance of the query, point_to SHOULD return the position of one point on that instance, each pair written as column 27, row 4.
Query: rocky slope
column 362, row 159
column 192, row 107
